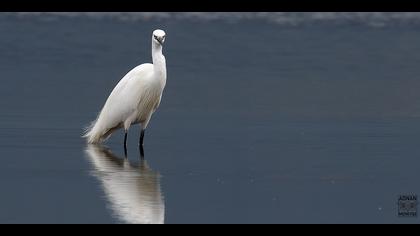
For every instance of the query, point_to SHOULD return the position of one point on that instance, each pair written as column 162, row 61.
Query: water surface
column 259, row 123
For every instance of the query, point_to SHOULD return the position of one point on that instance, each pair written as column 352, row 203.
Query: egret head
column 159, row 36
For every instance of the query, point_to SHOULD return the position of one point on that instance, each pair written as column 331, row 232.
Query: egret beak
column 160, row 40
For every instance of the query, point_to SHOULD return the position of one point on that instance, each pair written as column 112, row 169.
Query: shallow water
column 259, row 122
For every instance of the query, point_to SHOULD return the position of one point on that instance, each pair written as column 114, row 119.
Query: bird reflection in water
column 132, row 189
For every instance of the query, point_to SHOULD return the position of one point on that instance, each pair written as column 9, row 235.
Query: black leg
column 141, row 143
column 125, row 144
column 141, row 138
column 141, row 152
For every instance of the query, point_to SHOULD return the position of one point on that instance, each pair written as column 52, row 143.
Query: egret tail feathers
column 97, row 132
column 91, row 133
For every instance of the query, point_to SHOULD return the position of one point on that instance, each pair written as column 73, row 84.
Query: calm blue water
column 259, row 122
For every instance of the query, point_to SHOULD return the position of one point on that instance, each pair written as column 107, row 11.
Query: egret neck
column 159, row 62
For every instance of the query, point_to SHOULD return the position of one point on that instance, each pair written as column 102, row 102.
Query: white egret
column 134, row 99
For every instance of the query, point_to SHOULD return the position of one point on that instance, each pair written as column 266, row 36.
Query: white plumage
column 134, row 99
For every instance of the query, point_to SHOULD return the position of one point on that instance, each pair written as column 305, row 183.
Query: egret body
column 134, row 99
